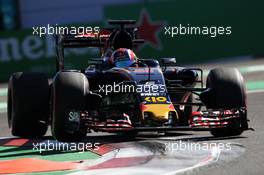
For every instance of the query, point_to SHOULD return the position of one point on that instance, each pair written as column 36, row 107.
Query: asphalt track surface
column 246, row 156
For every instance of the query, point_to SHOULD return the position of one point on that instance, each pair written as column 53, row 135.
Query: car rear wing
column 102, row 39
column 75, row 41
column 81, row 41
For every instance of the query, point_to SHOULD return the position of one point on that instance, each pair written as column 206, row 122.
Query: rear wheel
column 28, row 104
column 69, row 92
column 226, row 90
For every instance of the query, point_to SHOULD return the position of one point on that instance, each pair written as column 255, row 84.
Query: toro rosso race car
column 122, row 93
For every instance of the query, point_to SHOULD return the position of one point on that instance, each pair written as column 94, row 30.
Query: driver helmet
column 123, row 57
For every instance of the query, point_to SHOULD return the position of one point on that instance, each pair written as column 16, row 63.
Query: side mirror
column 168, row 61
column 151, row 62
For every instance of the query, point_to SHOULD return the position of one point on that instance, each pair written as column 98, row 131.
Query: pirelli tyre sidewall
column 69, row 90
column 226, row 91
column 28, row 104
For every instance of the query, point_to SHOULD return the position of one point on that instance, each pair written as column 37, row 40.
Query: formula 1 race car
column 148, row 95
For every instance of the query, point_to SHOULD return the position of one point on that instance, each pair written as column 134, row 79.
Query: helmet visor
column 124, row 63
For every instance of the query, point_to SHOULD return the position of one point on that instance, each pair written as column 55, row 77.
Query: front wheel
column 69, row 91
column 226, row 90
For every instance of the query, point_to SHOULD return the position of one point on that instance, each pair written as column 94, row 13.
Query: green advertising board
column 21, row 51
column 244, row 17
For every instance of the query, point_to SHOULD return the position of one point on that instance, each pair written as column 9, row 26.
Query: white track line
column 255, row 91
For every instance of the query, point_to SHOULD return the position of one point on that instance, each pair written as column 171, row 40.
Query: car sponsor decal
column 156, row 99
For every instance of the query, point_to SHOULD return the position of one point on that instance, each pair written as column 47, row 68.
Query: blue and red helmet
column 123, row 57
